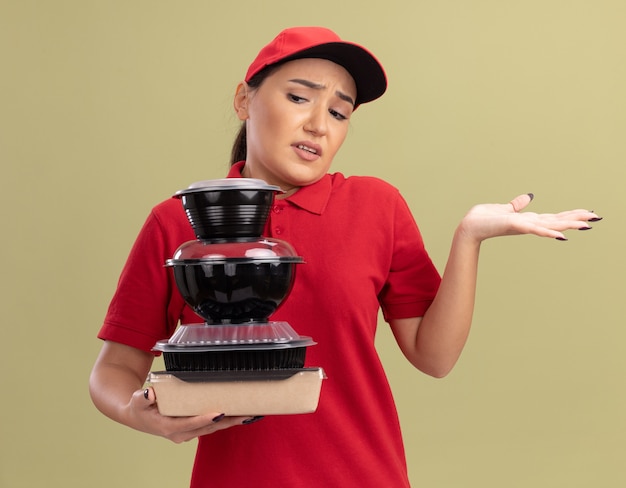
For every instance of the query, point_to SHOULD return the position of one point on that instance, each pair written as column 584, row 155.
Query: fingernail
column 252, row 420
column 585, row 228
column 146, row 393
column 531, row 195
column 560, row 238
column 219, row 417
column 595, row 219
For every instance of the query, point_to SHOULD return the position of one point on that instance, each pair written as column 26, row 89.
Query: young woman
column 363, row 252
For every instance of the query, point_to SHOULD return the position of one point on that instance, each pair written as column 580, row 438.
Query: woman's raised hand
column 503, row 219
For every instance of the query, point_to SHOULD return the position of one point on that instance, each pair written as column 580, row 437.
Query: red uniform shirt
column 362, row 251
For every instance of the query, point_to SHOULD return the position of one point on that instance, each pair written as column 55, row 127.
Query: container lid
column 164, row 346
column 224, row 260
column 228, row 184
column 265, row 333
column 261, row 250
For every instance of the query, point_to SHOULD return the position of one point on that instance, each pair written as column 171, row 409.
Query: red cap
column 319, row 42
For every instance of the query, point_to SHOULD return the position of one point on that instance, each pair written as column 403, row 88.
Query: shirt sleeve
column 413, row 280
column 144, row 308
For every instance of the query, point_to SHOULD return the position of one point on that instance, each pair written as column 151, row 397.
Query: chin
column 307, row 174
column 306, row 181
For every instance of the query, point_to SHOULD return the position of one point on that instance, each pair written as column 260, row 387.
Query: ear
column 240, row 102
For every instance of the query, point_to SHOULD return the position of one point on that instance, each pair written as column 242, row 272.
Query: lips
column 308, row 150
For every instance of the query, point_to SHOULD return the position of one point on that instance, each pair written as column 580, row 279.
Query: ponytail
column 240, row 148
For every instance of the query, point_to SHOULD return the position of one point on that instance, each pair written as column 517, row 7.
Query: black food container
column 228, row 208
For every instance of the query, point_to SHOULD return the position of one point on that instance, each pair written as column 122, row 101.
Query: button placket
column 277, row 221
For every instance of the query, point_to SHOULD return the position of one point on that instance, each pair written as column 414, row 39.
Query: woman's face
column 296, row 121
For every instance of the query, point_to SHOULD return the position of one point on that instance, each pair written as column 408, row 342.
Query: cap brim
column 368, row 74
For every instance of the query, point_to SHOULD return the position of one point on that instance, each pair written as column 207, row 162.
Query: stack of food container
column 237, row 362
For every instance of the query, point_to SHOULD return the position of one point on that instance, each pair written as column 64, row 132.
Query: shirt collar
column 312, row 198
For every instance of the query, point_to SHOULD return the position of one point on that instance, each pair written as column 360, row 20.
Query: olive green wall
column 107, row 107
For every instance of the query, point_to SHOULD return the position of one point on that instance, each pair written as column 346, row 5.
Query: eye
column 337, row 115
column 296, row 98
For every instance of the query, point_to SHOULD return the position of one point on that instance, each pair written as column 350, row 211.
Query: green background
column 108, row 107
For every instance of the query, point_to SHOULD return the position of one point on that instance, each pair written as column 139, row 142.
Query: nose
column 316, row 123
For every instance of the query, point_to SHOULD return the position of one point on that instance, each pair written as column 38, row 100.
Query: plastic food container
column 230, row 207
column 274, row 332
column 235, row 393
column 234, row 290
column 218, row 347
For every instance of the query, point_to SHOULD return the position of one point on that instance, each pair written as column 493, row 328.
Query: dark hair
column 240, row 145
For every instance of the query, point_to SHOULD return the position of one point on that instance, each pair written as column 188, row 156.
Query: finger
column 145, row 398
column 252, row 420
column 561, row 225
column 555, row 227
column 183, row 429
column 579, row 214
column 202, row 425
column 521, row 201
column 571, row 219
column 214, row 420
column 149, row 395
column 224, row 423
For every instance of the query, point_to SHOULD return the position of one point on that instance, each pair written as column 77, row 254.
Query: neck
column 288, row 191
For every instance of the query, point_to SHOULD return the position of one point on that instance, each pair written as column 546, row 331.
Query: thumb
column 521, row 201
column 149, row 395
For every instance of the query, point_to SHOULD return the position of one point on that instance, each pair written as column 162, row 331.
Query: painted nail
column 585, row 228
column 595, row 219
column 219, row 417
column 560, row 238
column 146, row 393
column 531, row 195
column 252, row 420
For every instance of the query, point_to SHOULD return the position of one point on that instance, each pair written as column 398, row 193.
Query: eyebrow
column 318, row 86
